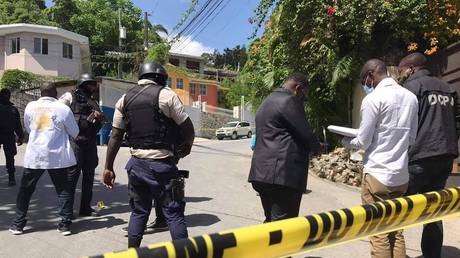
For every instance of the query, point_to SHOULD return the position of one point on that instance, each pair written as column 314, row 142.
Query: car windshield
column 229, row 125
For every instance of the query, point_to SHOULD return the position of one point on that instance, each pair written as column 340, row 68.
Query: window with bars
column 15, row 45
column 180, row 83
column 67, row 50
column 41, row 46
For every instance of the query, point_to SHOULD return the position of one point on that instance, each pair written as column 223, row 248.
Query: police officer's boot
column 11, row 179
column 134, row 242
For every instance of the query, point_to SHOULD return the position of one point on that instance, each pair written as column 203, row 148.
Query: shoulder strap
column 129, row 101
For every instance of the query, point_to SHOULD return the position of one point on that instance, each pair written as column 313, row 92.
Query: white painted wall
column 2, row 54
column 52, row 64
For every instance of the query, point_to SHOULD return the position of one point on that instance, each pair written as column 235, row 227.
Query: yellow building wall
column 184, row 94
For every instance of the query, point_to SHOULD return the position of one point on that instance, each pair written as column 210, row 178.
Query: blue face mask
column 367, row 88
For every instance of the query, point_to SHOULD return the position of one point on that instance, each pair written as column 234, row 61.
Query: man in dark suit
column 284, row 141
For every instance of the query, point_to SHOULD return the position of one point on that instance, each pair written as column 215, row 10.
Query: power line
column 212, row 19
column 200, row 23
column 194, row 18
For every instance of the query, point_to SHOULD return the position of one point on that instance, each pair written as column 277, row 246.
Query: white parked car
column 234, row 130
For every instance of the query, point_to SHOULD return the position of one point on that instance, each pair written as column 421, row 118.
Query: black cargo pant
column 428, row 175
column 87, row 161
column 8, row 142
column 154, row 179
column 279, row 202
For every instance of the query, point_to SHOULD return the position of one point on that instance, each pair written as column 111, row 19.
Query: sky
column 230, row 28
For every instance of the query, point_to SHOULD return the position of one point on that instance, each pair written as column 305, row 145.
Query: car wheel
column 249, row 134
column 220, row 138
column 234, row 136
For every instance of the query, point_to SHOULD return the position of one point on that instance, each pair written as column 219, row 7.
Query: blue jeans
column 154, row 179
column 61, row 179
column 428, row 175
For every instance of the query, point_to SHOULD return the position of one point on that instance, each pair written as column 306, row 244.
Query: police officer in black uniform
column 89, row 119
column 154, row 119
column 436, row 145
column 9, row 126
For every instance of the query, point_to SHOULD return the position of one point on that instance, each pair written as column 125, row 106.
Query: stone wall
column 211, row 122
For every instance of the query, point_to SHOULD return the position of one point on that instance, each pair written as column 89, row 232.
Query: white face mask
column 367, row 88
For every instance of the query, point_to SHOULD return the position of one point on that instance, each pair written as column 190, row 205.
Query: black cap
column 85, row 78
column 153, row 70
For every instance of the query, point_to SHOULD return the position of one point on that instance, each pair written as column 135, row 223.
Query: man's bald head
column 416, row 60
column 297, row 84
column 48, row 90
column 374, row 65
column 374, row 71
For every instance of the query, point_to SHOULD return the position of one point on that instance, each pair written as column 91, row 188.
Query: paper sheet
column 345, row 131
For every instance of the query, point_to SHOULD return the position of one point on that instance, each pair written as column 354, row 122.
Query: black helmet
column 155, row 71
column 85, row 78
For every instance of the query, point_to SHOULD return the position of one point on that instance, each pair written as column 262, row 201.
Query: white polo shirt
column 49, row 124
column 388, row 127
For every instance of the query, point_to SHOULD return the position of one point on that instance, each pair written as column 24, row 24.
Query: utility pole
column 119, row 43
column 242, row 108
column 146, row 31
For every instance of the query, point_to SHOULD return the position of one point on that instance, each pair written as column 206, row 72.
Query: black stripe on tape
column 350, row 217
column 398, row 208
column 221, row 242
column 327, row 223
column 275, row 237
column 337, row 219
column 410, row 207
column 185, row 246
column 313, row 230
column 157, row 252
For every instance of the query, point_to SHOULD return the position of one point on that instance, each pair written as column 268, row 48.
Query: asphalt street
column 218, row 198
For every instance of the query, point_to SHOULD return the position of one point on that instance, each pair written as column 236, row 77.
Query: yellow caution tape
column 298, row 235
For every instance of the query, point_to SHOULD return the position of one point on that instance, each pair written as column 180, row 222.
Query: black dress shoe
column 90, row 213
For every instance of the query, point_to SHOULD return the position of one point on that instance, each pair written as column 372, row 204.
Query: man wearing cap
column 89, row 118
column 153, row 117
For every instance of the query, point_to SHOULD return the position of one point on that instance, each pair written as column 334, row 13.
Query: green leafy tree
column 154, row 33
column 23, row 11
column 62, row 11
column 236, row 89
column 159, row 52
column 231, row 58
column 329, row 41
column 98, row 20
column 15, row 79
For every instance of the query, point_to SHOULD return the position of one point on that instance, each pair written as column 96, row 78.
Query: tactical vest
column 146, row 125
column 82, row 107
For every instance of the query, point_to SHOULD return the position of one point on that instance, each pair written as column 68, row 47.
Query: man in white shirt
column 49, row 124
column 389, row 126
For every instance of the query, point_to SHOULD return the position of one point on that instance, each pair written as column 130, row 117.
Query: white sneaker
column 16, row 230
column 65, row 231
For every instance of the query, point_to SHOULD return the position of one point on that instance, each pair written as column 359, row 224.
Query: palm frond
column 343, row 69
